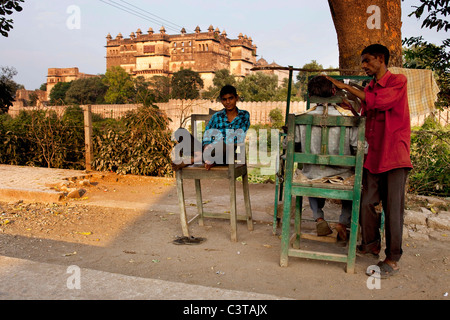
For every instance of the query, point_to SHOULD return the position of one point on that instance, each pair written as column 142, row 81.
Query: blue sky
column 285, row 31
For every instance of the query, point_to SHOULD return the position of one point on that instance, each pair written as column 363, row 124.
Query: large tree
column 421, row 54
column 121, row 88
column 186, row 84
column 8, row 88
column 86, row 91
column 360, row 23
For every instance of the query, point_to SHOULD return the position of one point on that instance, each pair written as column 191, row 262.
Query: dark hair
column 228, row 89
column 320, row 86
column 377, row 50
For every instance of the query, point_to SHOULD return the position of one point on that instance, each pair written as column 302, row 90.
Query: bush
column 430, row 156
column 138, row 144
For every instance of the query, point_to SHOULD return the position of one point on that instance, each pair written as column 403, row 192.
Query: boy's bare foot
column 176, row 167
column 209, row 165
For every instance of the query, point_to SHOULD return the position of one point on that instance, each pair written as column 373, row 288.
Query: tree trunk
column 360, row 23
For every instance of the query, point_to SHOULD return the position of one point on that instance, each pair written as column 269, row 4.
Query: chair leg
column 180, row 192
column 298, row 221
column 351, row 256
column 248, row 206
column 198, row 192
column 285, row 232
column 275, row 209
column 233, row 213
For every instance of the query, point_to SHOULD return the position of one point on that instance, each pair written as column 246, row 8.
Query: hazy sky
column 47, row 33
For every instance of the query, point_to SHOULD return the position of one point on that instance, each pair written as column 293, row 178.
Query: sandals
column 342, row 232
column 360, row 250
column 323, row 229
column 188, row 240
column 386, row 270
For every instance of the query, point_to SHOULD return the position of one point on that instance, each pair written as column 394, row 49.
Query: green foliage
column 139, row 144
column 7, row 8
column 258, row 87
column 121, row 88
column 419, row 54
column 186, row 84
column 40, row 138
column 58, row 93
column 7, row 88
column 423, row 55
column 160, row 86
column 430, row 155
column 276, row 118
column 435, row 9
column 221, row 78
column 86, row 91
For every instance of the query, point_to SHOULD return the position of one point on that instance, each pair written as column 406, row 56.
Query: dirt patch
column 126, row 225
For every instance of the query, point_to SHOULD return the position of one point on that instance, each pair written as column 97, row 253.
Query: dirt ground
column 126, row 225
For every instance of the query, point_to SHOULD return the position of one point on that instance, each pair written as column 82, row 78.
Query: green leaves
column 186, row 84
column 120, row 86
column 139, row 144
column 430, row 155
column 8, row 8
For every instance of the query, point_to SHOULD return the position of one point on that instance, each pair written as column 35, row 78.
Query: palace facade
column 162, row 54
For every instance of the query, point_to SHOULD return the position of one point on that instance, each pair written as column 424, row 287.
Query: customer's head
column 320, row 86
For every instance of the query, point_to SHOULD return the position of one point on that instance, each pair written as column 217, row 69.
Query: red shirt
column 388, row 125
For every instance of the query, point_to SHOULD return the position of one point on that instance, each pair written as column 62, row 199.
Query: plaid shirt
column 219, row 127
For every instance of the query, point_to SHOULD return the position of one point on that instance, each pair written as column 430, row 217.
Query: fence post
column 88, row 135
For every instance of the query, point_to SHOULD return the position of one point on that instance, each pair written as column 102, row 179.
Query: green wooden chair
column 290, row 245
column 230, row 171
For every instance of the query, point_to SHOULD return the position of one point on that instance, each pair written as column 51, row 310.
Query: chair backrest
column 325, row 122
column 197, row 118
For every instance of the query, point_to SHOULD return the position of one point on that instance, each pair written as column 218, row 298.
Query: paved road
column 24, row 279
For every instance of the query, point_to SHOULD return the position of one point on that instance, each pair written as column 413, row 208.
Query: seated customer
column 320, row 86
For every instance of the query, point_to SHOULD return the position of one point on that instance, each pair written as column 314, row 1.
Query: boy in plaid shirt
column 227, row 127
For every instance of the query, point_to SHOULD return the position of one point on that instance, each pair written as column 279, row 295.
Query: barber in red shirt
column 386, row 166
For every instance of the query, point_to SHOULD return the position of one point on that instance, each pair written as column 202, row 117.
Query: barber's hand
column 337, row 83
column 346, row 104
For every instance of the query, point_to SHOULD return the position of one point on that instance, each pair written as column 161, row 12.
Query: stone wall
column 180, row 110
column 428, row 222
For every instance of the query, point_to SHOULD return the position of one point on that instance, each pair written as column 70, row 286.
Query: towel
column 422, row 90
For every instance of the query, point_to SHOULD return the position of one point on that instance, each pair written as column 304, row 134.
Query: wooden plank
column 316, row 255
column 331, row 238
column 336, row 160
column 217, row 215
column 322, row 193
column 333, row 121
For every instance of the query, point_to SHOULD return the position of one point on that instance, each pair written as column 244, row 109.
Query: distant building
column 162, row 54
column 56, row 75
column 282, row 74
column 29, row 98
